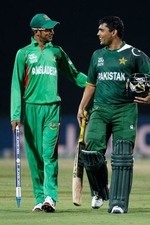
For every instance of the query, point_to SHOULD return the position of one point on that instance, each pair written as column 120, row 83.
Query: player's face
column 46, row 35
column 105, row 36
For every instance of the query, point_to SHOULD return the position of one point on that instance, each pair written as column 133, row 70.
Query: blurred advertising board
column 69, row 132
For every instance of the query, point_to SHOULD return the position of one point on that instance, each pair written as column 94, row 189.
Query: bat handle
column 83, row 126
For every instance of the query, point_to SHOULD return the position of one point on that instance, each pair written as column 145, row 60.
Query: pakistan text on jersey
column 111, row 76
column 47, row 70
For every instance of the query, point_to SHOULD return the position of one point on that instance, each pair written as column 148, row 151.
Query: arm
column 68, row 69
column 87, row 96
column 89, row 90
column 16, row 89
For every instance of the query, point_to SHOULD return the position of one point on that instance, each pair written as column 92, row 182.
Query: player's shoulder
column 58, row 47
column 138, row 52
column 24, row 48
column 98, row 52
column 21, row 53
column 131, row 50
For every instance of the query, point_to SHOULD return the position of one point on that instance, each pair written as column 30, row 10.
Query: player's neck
column 40, row 41
column 116, row 44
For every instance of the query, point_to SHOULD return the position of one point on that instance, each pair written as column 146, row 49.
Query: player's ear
column 114, row 32
column 36, row 32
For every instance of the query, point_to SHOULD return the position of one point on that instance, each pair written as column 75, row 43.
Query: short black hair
column 114, row 23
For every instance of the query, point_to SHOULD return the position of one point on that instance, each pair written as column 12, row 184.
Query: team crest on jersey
column 100, row 61
column 53, row 125
column 32, row 58
column 123, row 60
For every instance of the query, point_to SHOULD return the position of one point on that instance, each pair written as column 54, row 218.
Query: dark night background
column 76, row 34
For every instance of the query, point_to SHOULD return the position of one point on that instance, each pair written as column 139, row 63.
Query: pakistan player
column 34, row 91
column 114, row 112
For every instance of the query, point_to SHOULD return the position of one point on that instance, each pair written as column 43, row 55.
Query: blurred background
column 76, row 34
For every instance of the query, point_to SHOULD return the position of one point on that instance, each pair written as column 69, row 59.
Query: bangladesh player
column 34, row 91
column 113, row 112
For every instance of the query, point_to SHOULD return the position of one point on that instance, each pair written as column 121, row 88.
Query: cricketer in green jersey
column 34, row 91
column 113, row 112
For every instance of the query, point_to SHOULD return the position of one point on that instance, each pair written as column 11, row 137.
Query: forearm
column 87, row 96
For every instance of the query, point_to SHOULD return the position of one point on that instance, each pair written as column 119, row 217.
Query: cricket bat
column 18, row 165
column 78, row 169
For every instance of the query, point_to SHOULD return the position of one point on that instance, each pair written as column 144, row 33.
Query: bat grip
column 83, row 126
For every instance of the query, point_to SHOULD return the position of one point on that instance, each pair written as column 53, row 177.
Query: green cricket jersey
column 109, row 71
column 35, row 75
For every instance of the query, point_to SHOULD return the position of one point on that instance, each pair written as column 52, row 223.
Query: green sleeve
column 68, row 69
column 92, row 73
column 17, row 85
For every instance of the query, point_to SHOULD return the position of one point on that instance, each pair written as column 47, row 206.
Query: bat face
column 78, row 169
column 77, row 189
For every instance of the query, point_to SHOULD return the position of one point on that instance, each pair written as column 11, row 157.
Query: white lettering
column 111, row 76
column 44, row 70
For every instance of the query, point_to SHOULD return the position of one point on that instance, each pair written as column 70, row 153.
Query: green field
column 66, row 213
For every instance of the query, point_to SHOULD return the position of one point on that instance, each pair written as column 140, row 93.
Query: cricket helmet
column 139, row 84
